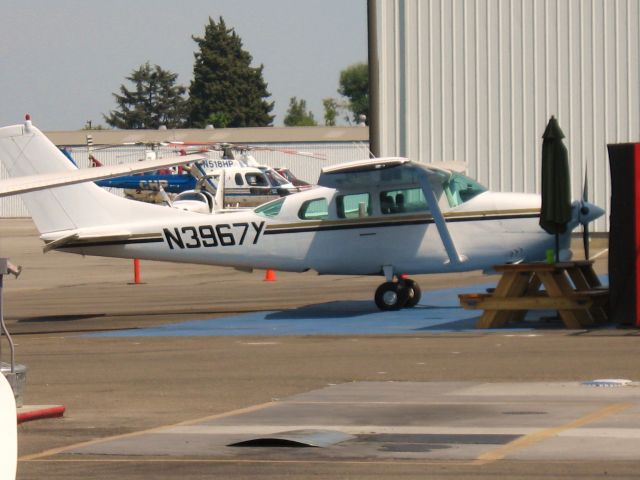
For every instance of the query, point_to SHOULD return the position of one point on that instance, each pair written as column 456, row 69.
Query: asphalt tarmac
column 479, row 404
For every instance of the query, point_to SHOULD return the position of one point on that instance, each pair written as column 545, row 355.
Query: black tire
column 413, row 293
column 391, row 296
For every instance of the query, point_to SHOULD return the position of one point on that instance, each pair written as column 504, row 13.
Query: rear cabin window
column 355, row 205
column 316, row 209
column 404, row 200
column 238, row 179
column 270, row 209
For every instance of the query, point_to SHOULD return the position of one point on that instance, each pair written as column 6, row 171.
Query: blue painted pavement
column 439, row 311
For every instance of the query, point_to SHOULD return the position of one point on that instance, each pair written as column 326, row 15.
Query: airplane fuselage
column 486, row 234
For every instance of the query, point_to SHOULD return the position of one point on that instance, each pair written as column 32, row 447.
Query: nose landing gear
column 403, row 293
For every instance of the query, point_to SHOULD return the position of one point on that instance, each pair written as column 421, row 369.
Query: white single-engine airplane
column 387, row 216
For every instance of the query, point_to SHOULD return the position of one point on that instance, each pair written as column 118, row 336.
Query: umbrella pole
column 557, row 247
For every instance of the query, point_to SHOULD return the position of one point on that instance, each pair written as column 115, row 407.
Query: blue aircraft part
column 68, row 155
column 170, row 183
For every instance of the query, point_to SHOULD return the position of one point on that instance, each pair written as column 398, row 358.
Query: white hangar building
column 477, row 80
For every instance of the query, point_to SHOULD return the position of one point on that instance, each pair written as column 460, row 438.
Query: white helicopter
column 248, row 184
column 387, row 216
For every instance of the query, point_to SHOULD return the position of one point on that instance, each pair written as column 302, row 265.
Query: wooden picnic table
column 571, row 288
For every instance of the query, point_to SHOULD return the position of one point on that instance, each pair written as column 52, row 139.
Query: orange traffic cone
column 270, row 276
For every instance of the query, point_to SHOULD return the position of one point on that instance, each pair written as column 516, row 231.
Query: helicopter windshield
column 460, row 189
column 275, row 178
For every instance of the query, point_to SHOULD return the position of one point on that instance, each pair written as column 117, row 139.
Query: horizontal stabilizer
column 79, row 238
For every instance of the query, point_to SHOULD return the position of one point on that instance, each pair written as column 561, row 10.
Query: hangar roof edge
column 231, row 135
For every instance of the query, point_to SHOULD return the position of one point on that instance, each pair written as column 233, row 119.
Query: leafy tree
column 297, row 114
column 226, row 91
column 330, row 111
column 155, row 100
column 354, row 84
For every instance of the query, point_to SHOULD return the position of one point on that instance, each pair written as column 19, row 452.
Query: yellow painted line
column 55, row 451
column 536, row 437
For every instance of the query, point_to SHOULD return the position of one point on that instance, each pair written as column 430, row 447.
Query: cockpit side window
column 270, row 209
column 238, row 179
column 256, row 180
column 316, row 209
column 355, row 205
column 403, row 200
column 460, row 189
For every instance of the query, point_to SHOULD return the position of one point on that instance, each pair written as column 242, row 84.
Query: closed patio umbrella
column 555, row 211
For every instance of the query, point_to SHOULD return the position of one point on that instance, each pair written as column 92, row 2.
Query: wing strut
column 439, row 220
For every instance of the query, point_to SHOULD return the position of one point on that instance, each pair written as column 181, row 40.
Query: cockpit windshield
column 275, row 179
column 270, row 209
column 460, row 189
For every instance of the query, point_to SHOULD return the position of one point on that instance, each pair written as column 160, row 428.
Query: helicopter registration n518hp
column 387, row 216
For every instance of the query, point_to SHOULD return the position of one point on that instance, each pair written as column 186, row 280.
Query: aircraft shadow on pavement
column 431, row 300
column 366, row 315
column 438, row 312
column 60, row 318
column 336, row 309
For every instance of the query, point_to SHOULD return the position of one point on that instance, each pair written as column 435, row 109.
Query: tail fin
column 25, row 150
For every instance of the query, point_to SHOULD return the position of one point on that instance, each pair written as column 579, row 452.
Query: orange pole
column 136, row 271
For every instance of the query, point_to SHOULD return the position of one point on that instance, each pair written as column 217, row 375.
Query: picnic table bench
column 571, row 288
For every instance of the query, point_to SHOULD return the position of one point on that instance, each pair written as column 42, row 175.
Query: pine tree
column 297, row 115
column 226, row 91
column 155, row 100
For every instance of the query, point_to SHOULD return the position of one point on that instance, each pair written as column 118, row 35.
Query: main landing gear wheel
column 413, row 293
column 391, row 296
column 404, row 293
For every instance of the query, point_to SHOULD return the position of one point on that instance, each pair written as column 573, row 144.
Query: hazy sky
column 61, row 61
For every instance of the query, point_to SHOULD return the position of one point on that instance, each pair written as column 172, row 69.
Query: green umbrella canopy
column 555, row 211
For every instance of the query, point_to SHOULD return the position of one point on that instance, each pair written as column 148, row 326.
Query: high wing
column 32, row 183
